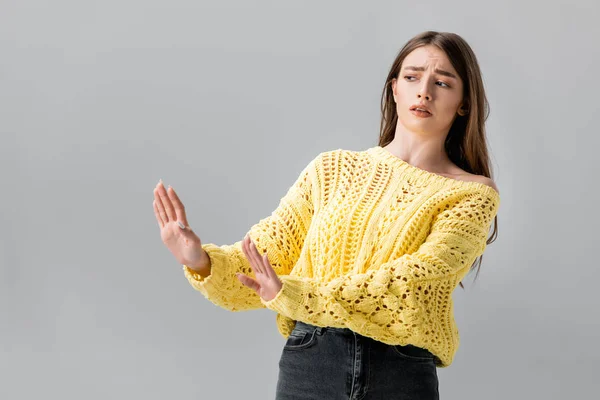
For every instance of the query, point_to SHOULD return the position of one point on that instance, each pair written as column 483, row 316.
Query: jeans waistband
column 305, row 327
column 319, row 330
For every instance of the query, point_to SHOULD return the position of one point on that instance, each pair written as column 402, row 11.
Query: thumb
column 186, row 230
column 247, row 281
column 184, row 226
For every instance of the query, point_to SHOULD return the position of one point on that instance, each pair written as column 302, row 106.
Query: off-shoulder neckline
column 384, row 154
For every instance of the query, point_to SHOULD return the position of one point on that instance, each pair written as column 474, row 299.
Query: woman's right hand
column 182, row 242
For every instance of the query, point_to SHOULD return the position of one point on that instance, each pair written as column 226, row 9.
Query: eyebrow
column 437, row 71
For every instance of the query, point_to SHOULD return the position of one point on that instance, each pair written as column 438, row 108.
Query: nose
column 424, row 91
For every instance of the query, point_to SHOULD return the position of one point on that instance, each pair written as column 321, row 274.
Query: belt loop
column 320, row 330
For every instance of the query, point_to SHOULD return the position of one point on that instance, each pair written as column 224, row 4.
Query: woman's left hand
column 267, row 284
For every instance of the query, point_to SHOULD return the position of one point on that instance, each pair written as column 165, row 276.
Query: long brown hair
column 466, row 141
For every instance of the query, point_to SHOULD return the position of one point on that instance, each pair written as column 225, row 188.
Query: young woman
column 361, row 256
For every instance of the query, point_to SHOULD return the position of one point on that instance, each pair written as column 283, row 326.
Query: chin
column 415, row 122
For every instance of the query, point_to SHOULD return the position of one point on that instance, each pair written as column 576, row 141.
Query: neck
column 425, row 152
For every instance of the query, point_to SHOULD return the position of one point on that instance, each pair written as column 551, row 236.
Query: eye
column 411, row 76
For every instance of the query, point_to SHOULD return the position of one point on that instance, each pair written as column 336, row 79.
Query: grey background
column 227, row 102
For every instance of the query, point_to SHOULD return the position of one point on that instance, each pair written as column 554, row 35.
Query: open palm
column 267, row 284
column 175, row 232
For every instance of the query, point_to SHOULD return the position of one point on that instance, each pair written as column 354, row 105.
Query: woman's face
column 427, row 77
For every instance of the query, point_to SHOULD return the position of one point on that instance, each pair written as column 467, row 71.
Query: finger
column 249, row 282
column 264, row 263
column 177, row 206
column 158, row 218
column 250, row 254
column 244, row 246
column 256, row 256
column 247, row 253
column 161, row 208
column 166, row 202
column 268, row 268
column 183, row 227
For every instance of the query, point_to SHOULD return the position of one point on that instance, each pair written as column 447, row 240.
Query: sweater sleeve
column 281, row 235
column 392, row 298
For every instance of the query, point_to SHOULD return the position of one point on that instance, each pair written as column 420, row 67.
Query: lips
column 420, row 107
column 421, row 114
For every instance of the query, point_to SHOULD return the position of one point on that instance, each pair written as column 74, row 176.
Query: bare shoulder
column 486, row 181
column 468, row 177
column 481, row 179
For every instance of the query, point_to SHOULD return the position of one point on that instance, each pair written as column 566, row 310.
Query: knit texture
column 366, row 241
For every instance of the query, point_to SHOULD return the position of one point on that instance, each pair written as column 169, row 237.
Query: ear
column 394, row 89
column 463, row 110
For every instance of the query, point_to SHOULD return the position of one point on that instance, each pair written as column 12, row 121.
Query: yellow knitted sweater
column 366, row 241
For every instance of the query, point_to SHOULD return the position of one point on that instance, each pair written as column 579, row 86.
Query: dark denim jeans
column 334, row 363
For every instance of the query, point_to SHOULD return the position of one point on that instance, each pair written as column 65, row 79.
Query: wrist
column 203, row 266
